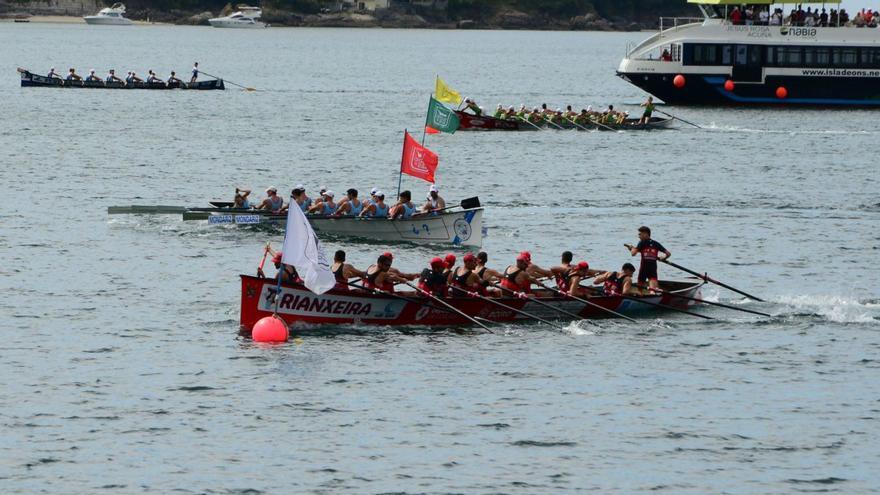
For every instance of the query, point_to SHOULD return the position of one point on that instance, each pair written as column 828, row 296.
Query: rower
column 372, row 199
column 650, row 250
column 536, row 117
column 343, row 271
column 433, row 280
column 195, row 73
column 516, row 277
column 298, row 197
column 382, row 277
column 499, row 112
column 523, row 111
column 618, row 283
column 377, row 208
column 561, row 270
column 649, row 109
column 466, row 279
column 174, row 79
column 404, row 207
column 570, row 281
column 473, row 107
column 112, row 77
column 544, row 110
column 582, row 118
column 569, row 113
column 273, row 202
column 326, row 206
column 351, row 205
column 52, row 74
column 510, row 114
column 286, row 272
column 92, row 77
column 434, row 201
column 449, row 261
column 73, row 76
column 486, row 274
column 240, row 200
column 151, row 77
column 558, row 117
column 135, row 78
column 533, row 269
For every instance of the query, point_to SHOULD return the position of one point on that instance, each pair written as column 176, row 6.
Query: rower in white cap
column 434, row 202
column 325, row 206
column 273, row 201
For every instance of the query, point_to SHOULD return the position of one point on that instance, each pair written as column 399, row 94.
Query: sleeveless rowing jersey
column 613, row 285
column 329, row 208
column 381, row 211
column 306, row 204
column 370, row 281
column 433, row 282
column 461, row 281
column 276, row 203
column 408, row 210
column 245, row 203
column 509, row 281
column 341, row 281
column 356, row 209
column 110, row 79
column 563, row 280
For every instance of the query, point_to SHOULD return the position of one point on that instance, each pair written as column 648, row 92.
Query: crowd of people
column 130, row 78
column 473, row 277
column 760, row 15
column 543, row 115
column 326, row 203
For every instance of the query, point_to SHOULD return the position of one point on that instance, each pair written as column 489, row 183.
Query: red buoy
column 728, row 85
column 270, row 329
column 678, row 81
column 781, row 92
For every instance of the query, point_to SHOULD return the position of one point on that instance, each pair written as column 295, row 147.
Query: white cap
column 322, row 189
column 271, row 189
column 558, row 109
column 52, row 68
column 433, row 188
column 300, row 187
column 91, row 71
column 328, row 193
column 379, row 193
column 510, row 107
column 374, row 191
column 500, row 105
column 589, row 108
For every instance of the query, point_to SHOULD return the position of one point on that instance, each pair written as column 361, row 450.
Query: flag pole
column 427, row 116
column 402, row 156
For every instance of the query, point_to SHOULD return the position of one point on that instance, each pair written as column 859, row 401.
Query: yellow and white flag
column 446, row 94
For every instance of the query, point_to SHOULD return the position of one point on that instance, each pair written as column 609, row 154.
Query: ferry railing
column 674, row 22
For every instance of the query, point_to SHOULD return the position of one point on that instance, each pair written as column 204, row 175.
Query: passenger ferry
column 714, row 61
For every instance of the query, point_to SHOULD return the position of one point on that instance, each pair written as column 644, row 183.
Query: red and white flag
column 417, row 160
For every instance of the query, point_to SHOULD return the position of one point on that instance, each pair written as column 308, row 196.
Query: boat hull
column 469, row 122
column 225, row 23
column 29, row 79
column 97, row 20
column 299, row 306
column 460, row 228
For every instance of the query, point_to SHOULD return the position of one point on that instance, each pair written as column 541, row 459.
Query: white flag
column 303, row 250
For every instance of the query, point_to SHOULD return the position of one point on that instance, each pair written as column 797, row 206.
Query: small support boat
column 460, row 227
column 298, row 305
column 245, row 17
column 471, row 122
column 29, row 79
column 109, row 16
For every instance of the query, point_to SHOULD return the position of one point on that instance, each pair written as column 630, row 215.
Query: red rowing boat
column 299, row 305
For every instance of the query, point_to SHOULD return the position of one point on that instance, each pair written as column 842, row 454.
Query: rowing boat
column 298, row 305
column 470, row 122
column 459, row 227
column 29, row 79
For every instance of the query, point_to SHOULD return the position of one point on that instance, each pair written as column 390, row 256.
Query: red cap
column 277, row 257
column 436, row 261
column 388, row 253
column 526, row 255
column 523, row 257
column 583, row 265
column 469, row 257
column 450, row 259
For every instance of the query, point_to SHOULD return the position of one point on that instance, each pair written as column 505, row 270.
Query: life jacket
column 433, row 283
column 370, row 281
column 509, row 282
column 341, row 281
column 613, row 285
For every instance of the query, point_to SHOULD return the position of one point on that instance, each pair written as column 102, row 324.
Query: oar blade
column 470, row 203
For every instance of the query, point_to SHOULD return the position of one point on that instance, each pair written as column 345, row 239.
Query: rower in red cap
column 516, row 277
column 449, row 259
column 466, row 279
column 570, row 281
column 433, row 280
column 616, row 283
column 380, row 276
column 287, row 273
column 534, row 270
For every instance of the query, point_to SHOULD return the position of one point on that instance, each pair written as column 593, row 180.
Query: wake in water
column 732, row 128
column 838, row 309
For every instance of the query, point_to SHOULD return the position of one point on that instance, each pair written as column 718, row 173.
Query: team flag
column 417, row 160
column 441, row 118
column 446, row 94
column 303, row 250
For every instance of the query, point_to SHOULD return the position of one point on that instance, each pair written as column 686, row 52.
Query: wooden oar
column 603, row 125
column 707, row 278
column 589, row 303
column 677, row 118
column 526, row 120
column 703, row 301
column 542, row 303
column 554, row 124
column 263, row 261
column 466, row 204
column 444, row 303
column 576, row 124
column 246, row 88
column 511, row 308
column 658, row 305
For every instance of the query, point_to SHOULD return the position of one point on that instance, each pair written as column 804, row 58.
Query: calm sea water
column 123, row 371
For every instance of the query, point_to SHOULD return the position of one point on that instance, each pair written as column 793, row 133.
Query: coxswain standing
column 73, row 76
column 380, row 276
column 516, row 278
column 240, row 200
column 377, row 207
column 343, row 271
column 434, row 201
column 650, row 250
column 112, row 77
column 404, row 207
column 351, row 205
column 649, row 109
column 433, row 280
column 273, row 202
column 465, row 278
column 174, row 80
column 195, row 73
column 92, row 77
column 618, row 283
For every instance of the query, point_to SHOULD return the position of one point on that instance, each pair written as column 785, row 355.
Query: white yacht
column 113, row 16
column 245, row 17
column 722, row 59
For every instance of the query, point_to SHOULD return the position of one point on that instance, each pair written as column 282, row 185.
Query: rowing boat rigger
column 298, row 305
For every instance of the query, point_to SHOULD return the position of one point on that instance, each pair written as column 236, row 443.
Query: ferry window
column 754, row 55
column 741, row 54
column 870, row 57
column 770, row 58
column 705, row 54
column 843, row 57
column 823, row 56
column 789, row 56
column 726, row 55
